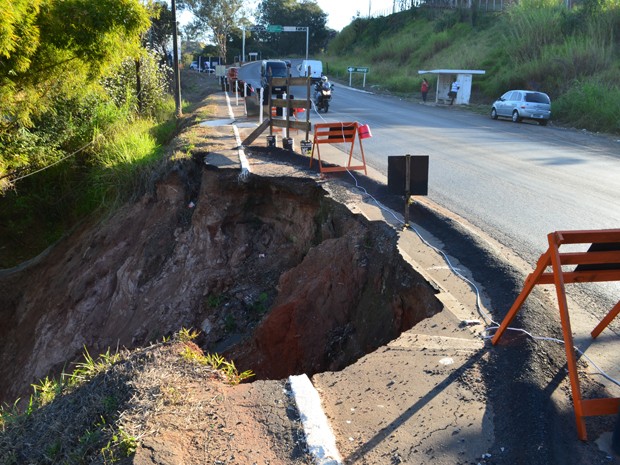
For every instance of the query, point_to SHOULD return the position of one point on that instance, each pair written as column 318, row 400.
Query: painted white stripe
column 319, row 436
column 245, row 164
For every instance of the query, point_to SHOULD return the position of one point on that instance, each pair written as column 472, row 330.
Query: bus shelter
column 445, row 78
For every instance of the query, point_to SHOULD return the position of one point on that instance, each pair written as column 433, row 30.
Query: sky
column 341, row 12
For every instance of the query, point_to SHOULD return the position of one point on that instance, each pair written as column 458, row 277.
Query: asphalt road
column 515, row 182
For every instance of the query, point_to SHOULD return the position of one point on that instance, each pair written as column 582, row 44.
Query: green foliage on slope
column 573, row 55
column 83, row 110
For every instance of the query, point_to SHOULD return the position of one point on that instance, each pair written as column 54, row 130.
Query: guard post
column 408, row 175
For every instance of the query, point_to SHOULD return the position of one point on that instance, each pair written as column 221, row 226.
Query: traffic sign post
column 358, row 69
column 306, row 29
column 276, row 28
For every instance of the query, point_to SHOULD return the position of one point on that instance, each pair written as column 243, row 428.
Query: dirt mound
column 158, row 406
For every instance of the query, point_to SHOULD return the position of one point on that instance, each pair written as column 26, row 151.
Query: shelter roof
column 452, row 71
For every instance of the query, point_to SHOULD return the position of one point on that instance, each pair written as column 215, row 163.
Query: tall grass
column 530, row 25
column 121, row 166
column 590, row 105
column 114, row 167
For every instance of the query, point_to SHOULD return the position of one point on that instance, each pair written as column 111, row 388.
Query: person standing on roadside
column 424, row 89
column 454, row 88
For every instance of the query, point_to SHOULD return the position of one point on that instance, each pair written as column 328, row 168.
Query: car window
column 277, row 70
column 516, row 96
column 537, row 97
column 506, row 95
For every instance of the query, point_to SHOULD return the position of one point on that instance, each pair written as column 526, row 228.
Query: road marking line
column 245, row 164
column 319, row 436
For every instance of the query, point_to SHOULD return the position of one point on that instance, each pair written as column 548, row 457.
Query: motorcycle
column 323, row 96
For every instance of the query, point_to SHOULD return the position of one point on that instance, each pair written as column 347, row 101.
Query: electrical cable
column 56, row 162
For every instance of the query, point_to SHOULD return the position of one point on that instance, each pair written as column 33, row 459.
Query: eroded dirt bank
column 274, row 271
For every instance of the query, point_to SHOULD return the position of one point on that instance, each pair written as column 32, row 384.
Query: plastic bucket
column 272, row 141
column 364, row 131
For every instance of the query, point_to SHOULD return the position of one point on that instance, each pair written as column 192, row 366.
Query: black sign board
column 418, row 174
column 339, row 133
column 602, row 247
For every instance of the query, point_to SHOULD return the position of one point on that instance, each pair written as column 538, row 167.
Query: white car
column 194, row 65
column 523, row 104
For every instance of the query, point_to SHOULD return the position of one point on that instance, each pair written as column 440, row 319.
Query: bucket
column 364, row 131
column 306, row 147
column 272, row 141
column 288, row 143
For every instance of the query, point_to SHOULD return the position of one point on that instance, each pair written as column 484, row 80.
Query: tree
column 305, row 13
column 50, row 47
column 220, row 17
column 160, row 33
column 53, row 52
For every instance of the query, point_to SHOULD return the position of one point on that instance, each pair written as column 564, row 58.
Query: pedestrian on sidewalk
column 454, row 88
column 424, row 89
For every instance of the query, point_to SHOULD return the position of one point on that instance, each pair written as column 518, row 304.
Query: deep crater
column 276, row 273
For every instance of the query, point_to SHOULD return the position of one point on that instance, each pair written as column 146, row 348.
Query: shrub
column 121, row 86
column 590, row 105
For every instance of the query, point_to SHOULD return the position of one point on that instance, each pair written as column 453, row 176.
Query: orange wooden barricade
column 334, row 133
column 599, row 264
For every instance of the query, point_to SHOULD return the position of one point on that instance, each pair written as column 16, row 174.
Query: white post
column 364, row 84
column 243, row 46
column 237, row 91
column 285, row 109
column 260, row 104
column 350, row 73
column 307, row 40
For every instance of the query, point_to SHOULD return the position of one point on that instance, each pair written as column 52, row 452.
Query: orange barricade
column 334, row 133
column 600, row 263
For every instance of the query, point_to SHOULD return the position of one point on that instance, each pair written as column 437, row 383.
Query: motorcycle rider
column 322, row 84
column 319, row 86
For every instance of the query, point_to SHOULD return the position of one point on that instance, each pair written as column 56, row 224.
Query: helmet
column 324, row 79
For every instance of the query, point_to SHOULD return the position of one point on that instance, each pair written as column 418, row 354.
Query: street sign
column 257, row 28
column 274, row 28
column 352, row 69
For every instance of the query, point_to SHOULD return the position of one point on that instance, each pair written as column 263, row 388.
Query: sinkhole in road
column 312, row 286
column 277, row 273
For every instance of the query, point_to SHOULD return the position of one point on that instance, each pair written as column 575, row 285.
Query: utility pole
column 175, row 62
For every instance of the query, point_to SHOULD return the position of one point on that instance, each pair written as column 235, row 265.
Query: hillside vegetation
column 84, row 111
column 572, row 55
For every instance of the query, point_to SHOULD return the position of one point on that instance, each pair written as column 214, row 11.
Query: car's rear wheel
column 543, row 122
column 515, row 117
column 493, row 113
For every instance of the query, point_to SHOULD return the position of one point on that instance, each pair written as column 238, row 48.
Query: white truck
column 314, row 66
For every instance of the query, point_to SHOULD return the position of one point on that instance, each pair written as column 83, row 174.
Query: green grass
column 590, row 105
column 116, row 166
column 78, row 417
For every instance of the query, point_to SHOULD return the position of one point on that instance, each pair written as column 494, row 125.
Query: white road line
column 245, row 164
column 319, row 436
